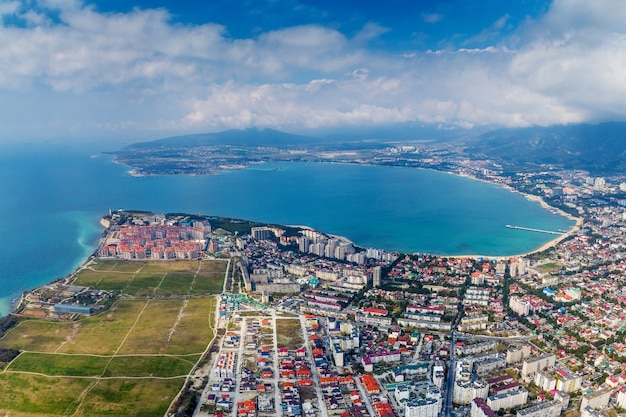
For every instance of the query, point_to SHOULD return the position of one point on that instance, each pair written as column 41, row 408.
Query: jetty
column 530, row 229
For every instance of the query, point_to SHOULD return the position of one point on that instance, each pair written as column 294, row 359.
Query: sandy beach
column 574, row 229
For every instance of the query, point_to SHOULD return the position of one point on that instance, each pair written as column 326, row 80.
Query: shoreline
column 13, row 304
column 573, row 229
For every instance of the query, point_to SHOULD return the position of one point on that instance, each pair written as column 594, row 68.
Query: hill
column 599, row 149
column 235, row 137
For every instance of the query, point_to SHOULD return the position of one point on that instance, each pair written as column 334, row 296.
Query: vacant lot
column 29, row 395
column 288, row 333
column 141, row 398
column 42, row 336
column 59, row 365
column 60, row 372
column 164, row 279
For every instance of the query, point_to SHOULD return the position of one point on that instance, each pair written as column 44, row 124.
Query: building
column 466, row 390
column 72, row 309
column 621, row 399
column 545, row 409
column 490, row 364
column 479, row 408
column 597, row 399
column 510, row 399
column 438, row 374
column 519, row 305
column 261, row 233
column 567, row 381
column 402, row 393
column 515, row 354
column 425, row 407
column 377, row 276
column 337, row 354
column 477, row 295
column 545, row 380
column 428, row 403
column 532, row 365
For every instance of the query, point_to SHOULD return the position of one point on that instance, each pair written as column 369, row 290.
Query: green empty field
column 150, row 366
column 104, row 334
column 140, row 398
column 151, row 333
column 59, row 365
column 159, row 337
column 144, row 278
column 31, row 395
column 37, row 335
column 194, row 330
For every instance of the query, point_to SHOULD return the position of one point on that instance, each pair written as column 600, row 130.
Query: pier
column 530, row 229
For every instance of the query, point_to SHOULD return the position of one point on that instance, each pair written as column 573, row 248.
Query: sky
column 149, row 69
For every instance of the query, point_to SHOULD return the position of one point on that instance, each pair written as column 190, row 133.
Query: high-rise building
column 303, row 244
column 377, row 276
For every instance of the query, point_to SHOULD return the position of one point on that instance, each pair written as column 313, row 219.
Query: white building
column 466, row 390
column 510, row 399
column 519, row 305
column 532, row 365
column 545, row 380
column 597, row 399
column 515, row 354
column 428, row 404
column 545, row 409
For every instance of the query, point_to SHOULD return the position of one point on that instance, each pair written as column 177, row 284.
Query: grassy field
column 151, row 333
column 193, row 329
column 549, row 267
column 140, row 398
column 30, row 395
column 153, row 366
column 143, row 278
column 59, row 365
column 170, row 327
column 288, row 333
column 43, row 336
column 103, row 334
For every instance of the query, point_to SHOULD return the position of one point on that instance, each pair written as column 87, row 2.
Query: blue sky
column 122, row 69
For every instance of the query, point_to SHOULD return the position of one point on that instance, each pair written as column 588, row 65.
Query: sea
column 53, row 196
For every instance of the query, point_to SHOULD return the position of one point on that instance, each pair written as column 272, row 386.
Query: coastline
column 11, row 303
column 575, row 228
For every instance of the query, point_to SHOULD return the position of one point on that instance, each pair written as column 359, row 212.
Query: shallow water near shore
column 53, row 197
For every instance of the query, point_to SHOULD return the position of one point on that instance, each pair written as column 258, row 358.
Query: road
column 447, row 406
column 366, row 399
column 316, row 380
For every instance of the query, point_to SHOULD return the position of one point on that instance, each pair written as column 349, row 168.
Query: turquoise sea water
column 53, row 197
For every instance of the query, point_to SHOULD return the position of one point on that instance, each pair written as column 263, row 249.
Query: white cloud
column 9, row 7
column 432, row 17
column 566, row 66
column 370, row 31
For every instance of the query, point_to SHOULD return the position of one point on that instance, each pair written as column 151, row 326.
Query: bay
column 54, row 195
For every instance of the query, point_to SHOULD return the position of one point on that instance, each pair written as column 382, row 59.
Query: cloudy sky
column 71, row 68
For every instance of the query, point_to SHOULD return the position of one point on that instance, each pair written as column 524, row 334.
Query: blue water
column 53, row 197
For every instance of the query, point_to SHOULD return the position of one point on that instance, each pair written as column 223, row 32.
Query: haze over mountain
column 599, row 149
column 143, row 69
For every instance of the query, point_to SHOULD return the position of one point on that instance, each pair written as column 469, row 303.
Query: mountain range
column 599, row 149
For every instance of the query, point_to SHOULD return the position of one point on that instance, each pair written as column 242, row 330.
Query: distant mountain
column 238, row 137
column 599, row 149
